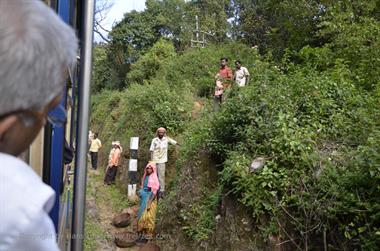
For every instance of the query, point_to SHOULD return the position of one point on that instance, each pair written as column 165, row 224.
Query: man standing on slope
column 223, row 80
column 159, row 155
column 241, row 76
column 113, row 163
column 96, row 144
column 36, row 50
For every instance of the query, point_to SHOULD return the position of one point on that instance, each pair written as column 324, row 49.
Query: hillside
column 311, row 116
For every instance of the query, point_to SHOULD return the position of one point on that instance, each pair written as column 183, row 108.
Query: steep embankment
column 314, row 125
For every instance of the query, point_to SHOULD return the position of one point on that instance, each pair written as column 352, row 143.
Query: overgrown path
column 103, row 203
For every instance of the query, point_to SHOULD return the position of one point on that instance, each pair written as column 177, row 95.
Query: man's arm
column 39, row 235
column 172, row 141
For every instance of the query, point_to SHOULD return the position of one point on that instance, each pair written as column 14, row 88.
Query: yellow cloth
column 95, row 145
column 148, row 218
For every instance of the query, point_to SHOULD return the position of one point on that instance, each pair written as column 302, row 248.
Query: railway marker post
column 132, row 167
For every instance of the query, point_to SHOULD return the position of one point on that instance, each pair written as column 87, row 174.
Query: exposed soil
column 100, row 211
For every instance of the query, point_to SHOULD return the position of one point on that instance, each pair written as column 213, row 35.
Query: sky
column 117, row 11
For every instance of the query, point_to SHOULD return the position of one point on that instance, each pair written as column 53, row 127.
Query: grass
column 110, row 197
column 94, row 232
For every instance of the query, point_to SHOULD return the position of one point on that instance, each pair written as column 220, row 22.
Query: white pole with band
column 132, row 167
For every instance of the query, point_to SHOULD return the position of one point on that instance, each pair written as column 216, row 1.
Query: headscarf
column 161, row 129
column 117, row 143
column 153, row 182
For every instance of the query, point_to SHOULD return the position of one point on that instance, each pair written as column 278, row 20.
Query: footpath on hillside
column 103, row 204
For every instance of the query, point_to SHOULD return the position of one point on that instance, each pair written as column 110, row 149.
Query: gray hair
column 36, row 49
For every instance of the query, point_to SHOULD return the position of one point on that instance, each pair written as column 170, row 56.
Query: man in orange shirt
column 113, row 163
column 223, row 80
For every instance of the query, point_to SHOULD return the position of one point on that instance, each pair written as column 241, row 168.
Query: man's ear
column 6, row 123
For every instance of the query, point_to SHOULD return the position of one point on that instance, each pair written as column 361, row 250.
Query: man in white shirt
column 36, row 49
column 241, row 74
column 159, row 155
column 96, row 144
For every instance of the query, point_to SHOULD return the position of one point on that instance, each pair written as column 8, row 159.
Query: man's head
column 117, row 144
column 36, row 50
column 223, row 62
column 95, row 135
column 237, row 64
column 161, row 132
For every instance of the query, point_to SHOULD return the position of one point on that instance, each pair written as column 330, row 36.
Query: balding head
column 36, row 49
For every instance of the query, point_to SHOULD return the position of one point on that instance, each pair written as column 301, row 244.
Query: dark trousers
column 110, row 175
column 94, row 160
column 217, row 102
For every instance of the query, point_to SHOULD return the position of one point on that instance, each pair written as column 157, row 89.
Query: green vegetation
column 94, row 231
column 311, row 110
column 102, row 202
column 199, row 219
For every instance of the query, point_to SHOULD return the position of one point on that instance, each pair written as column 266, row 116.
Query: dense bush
column 316, row 131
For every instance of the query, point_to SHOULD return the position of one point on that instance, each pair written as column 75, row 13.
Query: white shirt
column 96, row 144
column 159, row 147
column 241, row 76
column 24, row 205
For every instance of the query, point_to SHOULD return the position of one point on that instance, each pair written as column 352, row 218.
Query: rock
column 257, row 164
column 125, row 239
column 150, row 247
column 218, row 217
column 122, row 220
column 244, row 221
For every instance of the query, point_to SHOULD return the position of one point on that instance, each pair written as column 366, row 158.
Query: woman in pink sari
column 148, row 202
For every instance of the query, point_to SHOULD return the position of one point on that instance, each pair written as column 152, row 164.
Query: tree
column 275, row 25
column 102, row 7
column 353, row 34
column 130, row 39
column 213, row 15
column 148, row 65
column 104, row 74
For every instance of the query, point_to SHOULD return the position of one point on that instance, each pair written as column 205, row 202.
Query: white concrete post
column 132, row 167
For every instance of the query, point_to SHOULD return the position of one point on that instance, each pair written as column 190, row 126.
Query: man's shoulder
column 23, row 196
column 155, row 139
